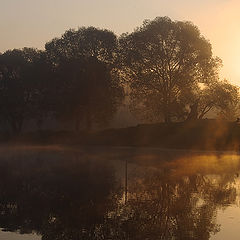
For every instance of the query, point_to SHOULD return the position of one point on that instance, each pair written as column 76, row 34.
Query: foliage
column 22, row 75
column 84, row 61
column 220, row 97
column 167, row 67
column 163, row 59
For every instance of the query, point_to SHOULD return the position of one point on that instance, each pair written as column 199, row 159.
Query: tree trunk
column 16, row 125
column 167, row 115
column 19, row 126
column 39, row 124
column 167, row 118
column 77, row 123
column 193, row 115
column 88, row 121
column 167, row 104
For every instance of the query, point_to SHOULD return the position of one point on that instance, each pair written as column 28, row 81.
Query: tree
column 22, row 73
column 227, row 99
column 163, row 59
column 220, row 97
column 84, row 64
column 87, row 93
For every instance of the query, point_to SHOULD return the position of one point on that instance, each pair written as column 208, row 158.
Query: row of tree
column 167, row 66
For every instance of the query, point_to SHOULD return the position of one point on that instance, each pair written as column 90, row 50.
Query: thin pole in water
column 126, row 181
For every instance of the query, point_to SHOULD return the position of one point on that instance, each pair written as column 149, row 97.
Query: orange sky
column 31, row 23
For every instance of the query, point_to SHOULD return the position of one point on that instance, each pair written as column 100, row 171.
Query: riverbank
column 208, row 135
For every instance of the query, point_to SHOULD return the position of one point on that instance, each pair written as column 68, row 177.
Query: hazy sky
column 31, row 23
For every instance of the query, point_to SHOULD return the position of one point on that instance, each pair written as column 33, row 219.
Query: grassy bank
column 196, row 135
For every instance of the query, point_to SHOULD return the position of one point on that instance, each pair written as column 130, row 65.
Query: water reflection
column 185, row 208
column 69, row 195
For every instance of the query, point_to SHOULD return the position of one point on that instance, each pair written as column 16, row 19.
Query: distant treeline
column 165, row 67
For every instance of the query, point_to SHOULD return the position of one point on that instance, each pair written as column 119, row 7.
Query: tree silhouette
column 219, row 96
column 167, row 67
column 21, row 79
column 162, row 60
column 85, row 63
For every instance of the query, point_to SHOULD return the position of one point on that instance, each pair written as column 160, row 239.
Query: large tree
column 84, row 63
column 162, row 60
column 23, row 81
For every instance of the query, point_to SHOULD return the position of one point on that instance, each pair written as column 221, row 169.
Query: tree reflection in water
column 59, row 199
column 73, row 198
column 160, row 207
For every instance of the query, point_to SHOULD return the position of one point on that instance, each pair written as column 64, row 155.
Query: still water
column 118, row 193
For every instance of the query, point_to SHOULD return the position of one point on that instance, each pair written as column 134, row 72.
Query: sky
column 32, row 23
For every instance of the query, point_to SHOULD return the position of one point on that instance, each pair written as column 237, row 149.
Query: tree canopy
column 162, row 60
column 167, row 67
column 84, row 61
column 23, row 83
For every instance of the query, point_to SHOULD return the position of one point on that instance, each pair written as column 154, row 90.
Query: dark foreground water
column 118, row 193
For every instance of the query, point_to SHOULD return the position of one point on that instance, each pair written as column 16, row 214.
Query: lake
column 118, row 193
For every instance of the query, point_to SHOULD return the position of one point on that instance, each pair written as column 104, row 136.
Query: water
column 118, row 193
